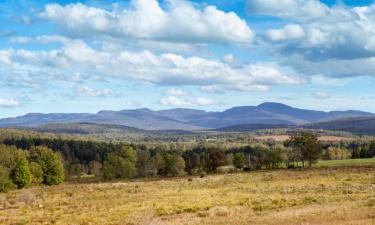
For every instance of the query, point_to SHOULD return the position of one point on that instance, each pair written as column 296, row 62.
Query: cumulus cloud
column 4, row 102
column 162, row 69
column 289, row 32
column 180, row 21
column 178, row 101
column 335, row 41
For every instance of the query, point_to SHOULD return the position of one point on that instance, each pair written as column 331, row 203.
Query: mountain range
column 275, row 114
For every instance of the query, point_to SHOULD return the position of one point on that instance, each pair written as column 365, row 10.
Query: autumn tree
column 308, row 146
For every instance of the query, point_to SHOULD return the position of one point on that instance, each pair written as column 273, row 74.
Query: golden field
column 332, row 196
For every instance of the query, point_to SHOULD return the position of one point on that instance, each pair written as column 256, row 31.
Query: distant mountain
column 181, row 114
column 140, row 118
column 35, row 119
column 137, row 118
column 252, row 127
column 84, row 128
column 359, row 125
column 269, row 113
column 189, row 119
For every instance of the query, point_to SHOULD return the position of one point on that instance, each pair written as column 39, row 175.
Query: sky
column 68, row 56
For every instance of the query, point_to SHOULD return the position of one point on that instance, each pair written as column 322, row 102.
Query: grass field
column 346, row 162
column 334, row 196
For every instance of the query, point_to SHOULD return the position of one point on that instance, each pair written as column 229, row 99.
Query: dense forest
column 27, row 159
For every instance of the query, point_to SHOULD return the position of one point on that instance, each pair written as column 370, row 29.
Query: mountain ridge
column 268, row 113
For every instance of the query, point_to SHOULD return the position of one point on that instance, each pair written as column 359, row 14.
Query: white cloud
column 255, row 87
column 9, row 102
column 85, row 91
column 290, row 9
column 75, row 57
column 339, row 43
column 20, row 40
column 179, row 102
column 5, row 57
column 175, row 92
column 334, row 68
column 289, row 32
column 321, row 95
column 212, row 89
column 330, row 81
column 181, row 21
column 229, row 58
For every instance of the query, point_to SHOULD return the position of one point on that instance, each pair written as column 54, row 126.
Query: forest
column 29, row 160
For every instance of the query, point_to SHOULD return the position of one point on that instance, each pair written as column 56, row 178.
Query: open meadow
column 331, row 195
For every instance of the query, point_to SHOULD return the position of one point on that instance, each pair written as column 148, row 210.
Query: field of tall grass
column 340, row 195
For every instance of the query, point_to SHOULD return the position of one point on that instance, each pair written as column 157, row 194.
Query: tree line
column 28, row 160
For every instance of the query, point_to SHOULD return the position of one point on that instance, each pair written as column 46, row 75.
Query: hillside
column 362, row 125
column 252, row 127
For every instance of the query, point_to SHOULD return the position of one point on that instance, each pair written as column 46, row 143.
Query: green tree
column 20, row 173
column 143, row 162
column 15, row 162
column 115, row 167
column 128, row 152
column 239, row 160
column 51, row 163
column 36, row 172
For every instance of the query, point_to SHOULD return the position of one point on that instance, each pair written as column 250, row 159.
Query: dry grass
column 339, row 196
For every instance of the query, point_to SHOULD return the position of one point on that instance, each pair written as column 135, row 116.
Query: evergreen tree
column 51, row 163
column 20, row 173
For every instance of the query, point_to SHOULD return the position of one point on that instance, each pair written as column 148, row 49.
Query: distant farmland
column 281, row 138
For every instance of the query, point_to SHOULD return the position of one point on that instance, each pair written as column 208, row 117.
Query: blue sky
column 68, row 56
